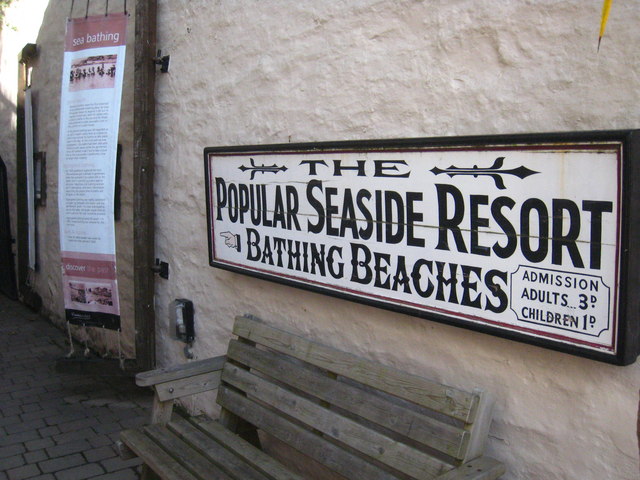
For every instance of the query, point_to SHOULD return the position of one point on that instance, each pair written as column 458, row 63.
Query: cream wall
column 19, row 27
column 259, row 72
column 43, row 22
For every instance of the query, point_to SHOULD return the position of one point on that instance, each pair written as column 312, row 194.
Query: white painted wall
column 255, row 72
column 259, row 72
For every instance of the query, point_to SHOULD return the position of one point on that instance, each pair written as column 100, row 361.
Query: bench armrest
column 180, row 381
column 178, row 372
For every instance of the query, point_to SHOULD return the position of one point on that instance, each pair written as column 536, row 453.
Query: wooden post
column 26, row 293
column 143, row 201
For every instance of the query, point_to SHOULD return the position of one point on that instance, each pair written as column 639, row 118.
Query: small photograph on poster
column 99, row 294
column 78, row 292
column 93, row 72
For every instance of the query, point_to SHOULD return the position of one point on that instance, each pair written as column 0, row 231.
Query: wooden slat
column 428, row 431
column 154, row 456
column 305, row 441
column 449, row 401
column 188, row 386
column 176, row 372
column 480, row 428
column 484, row 468
column 213, row 451
column 185, row 455
column 359, row 437
column 243, row 452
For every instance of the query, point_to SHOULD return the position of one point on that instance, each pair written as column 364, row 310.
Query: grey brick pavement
column 56, row 426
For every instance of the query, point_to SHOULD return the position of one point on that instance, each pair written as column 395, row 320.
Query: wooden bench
column 359, row 418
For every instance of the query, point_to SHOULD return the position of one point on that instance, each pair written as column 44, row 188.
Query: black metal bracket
column 40, row 178
column 162, row 61
column 161, row 268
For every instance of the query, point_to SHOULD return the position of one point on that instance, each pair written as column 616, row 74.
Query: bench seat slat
column 369, row 442
column 240, row 448
column 426, row 430
column 447, row 400
column 185, row 455
column 214, row 452
column 154, row 456
column 336, row 458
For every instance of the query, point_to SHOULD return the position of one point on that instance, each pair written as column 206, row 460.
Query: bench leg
column 161, row 411
column 148, row 474
column 241, row 427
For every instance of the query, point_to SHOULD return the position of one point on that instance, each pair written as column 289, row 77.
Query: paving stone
column 67, row 416
column 77, row 425
column 100, row 453
column 49, row 431
column 128, row 474
column 72, row 399
column 61, row 463
column 31, row 407
column 14, row 461
column 100, row 441
column 134, row 422
column 117, row 463
column 28, row 393
column 18, row 438
column 24, row 426
column 42, row 413
column 12, row 450
column 39, row 444
column 27, row 471
column 107, row 428
column 82, row 434
column 97, row 402
column 68, row 448
column 36, row 456
column 8, row 410
column 9, row 420
column 80, row 473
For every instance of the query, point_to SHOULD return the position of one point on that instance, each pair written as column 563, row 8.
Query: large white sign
column 522, row 239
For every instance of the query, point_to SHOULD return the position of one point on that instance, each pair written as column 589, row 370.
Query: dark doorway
column 7, row 275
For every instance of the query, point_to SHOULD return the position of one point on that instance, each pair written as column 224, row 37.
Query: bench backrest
column 358, row 417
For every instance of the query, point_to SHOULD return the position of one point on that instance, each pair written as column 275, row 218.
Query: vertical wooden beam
column 143, row 162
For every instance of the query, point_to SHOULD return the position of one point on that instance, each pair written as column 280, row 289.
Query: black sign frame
column 628, row 320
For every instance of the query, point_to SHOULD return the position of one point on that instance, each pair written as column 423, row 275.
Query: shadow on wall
column 7, row 275
column 7, row 171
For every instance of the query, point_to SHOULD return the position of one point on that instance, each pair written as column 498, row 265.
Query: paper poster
column 89, row 118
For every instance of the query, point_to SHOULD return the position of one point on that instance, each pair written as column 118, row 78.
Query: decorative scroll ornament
column 493, row 171
column 261, row 168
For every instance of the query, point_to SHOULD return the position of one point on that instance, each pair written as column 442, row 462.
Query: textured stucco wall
column 43, row 23
column 256, row 72
column 19, row 27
